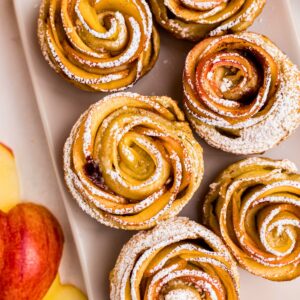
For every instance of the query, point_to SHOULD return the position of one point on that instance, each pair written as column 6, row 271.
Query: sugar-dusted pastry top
column 241, row 93
column 254, row 205
column 131, row 160
column 177, row 260
column 197, row 19
column 98, row 45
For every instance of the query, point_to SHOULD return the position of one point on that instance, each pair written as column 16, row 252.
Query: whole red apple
column 31, row 245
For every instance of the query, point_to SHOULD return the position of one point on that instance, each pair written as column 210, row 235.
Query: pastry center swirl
column 258, row 213
column 177, row 260
column 233, row 79
column 98, row 45
column 133, row 160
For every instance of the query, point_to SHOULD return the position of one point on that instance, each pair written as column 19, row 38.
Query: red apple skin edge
column 31, row 245
column 7, row 148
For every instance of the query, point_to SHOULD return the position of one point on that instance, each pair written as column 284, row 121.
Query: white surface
column 61, row 104
column 21, row 129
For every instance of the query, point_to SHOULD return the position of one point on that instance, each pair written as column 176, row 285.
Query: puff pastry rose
column 178, row 259
column 98, row 45
column 196, row 19
column 254, row 205
column 132, row 160
column 241, row 93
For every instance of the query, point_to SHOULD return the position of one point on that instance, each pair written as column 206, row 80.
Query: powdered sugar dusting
column 122, row 141
column 265, row 196
column 168, row 279
column 195, row 20
column 106, row 57
column 263, row 124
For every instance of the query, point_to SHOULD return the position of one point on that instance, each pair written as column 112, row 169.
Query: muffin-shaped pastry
column 178, row 259
column 254, row 205
column 241, row 93
column 132, row 161
column 98, row 45
column 196, row 19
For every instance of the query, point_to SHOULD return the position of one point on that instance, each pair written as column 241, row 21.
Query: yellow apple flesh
column 59, row 291
column 9, row 183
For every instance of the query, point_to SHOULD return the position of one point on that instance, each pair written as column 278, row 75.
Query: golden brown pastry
column 178, row 259
column 98, row 45
column 196, row 19
column 132, row 161
column 254, row 205
column 241, row 93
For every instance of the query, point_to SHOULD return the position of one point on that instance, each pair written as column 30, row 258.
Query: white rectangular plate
column 61, row 104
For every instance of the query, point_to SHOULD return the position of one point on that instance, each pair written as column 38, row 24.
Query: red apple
column 31, row 245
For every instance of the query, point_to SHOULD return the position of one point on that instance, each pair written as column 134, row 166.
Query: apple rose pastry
column 254, row 205
column 196, row 19
column 241, row 93
column 98, row 45
column 132, row 161
column 178, row 259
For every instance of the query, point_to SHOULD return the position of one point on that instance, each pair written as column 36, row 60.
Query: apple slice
column 31, row 244
column 9, row 182
column 66, row 292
